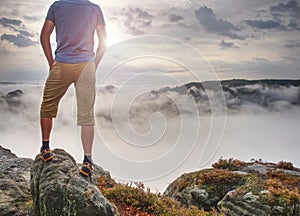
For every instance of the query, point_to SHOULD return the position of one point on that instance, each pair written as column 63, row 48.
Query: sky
column 186, row 40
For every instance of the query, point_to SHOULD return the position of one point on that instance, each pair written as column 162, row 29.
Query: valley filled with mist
column 156, row 135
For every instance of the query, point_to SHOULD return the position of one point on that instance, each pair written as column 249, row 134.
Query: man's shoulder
column 69, row 5
column 68, row 2
column 94, row 5
column 55, row 4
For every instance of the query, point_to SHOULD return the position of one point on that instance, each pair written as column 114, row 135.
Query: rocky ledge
column 55, row 188
column 237, row 188
column 231, row 187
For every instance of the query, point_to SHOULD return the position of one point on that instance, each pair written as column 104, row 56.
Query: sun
column 114, row 35
column 111, row 40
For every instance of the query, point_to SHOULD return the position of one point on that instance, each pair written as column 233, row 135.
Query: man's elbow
column 102, row 45
column 43, row 38
column 103, row 41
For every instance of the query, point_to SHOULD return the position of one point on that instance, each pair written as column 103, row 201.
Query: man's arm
column 101, row 33
column 45, row 41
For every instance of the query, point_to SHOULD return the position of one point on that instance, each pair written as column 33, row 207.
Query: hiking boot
column 46, row 155
column 86, row 169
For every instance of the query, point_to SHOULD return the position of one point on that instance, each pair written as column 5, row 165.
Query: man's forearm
column 99, row 54
column 45, row 41
column 101, row 33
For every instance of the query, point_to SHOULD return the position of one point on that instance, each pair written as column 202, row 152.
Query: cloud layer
column 264, row 117
column 252, row 98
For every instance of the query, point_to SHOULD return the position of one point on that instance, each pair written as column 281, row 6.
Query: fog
column 156, row 135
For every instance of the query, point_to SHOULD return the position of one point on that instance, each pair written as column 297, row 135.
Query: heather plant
column 228, row 164
column 281, row 194
column 135, row 199
column 285, row 165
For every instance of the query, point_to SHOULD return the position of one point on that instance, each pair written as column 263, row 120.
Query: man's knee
column 86, row 121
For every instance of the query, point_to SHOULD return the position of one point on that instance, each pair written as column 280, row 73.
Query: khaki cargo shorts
column 61, row 76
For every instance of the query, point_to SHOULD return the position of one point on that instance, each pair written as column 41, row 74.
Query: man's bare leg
column 87, row 138
column 46, row 126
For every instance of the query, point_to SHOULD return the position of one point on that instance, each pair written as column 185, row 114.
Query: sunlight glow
column 111, row 40
column 114, row 35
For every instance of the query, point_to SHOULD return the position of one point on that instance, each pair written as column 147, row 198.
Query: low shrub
column 228, row 164
column 136, row 200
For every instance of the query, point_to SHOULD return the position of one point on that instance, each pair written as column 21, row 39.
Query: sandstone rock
column 204, row 188
column 250, row 198
column 15, row 196
column 261, row 169
column 16, row 93
column 248, row 204
column 202, row 199
column 199, row 194
column 253, row 189
column 13, row 100
column 57, row 188
column 278, row 210
column 292, row 172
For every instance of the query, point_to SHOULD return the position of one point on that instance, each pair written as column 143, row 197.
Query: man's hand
column 45, row 41
column 101, row 33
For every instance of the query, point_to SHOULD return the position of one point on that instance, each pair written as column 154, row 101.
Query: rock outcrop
column 232, row 187
column 13, row 100
column 57, row 188
column 204, row 188
column 237, row 188
column 15, row 198
column 16, row 93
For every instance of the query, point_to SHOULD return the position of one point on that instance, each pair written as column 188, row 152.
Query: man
column 75, row 22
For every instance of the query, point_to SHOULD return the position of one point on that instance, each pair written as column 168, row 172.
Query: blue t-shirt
column 75, row 23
